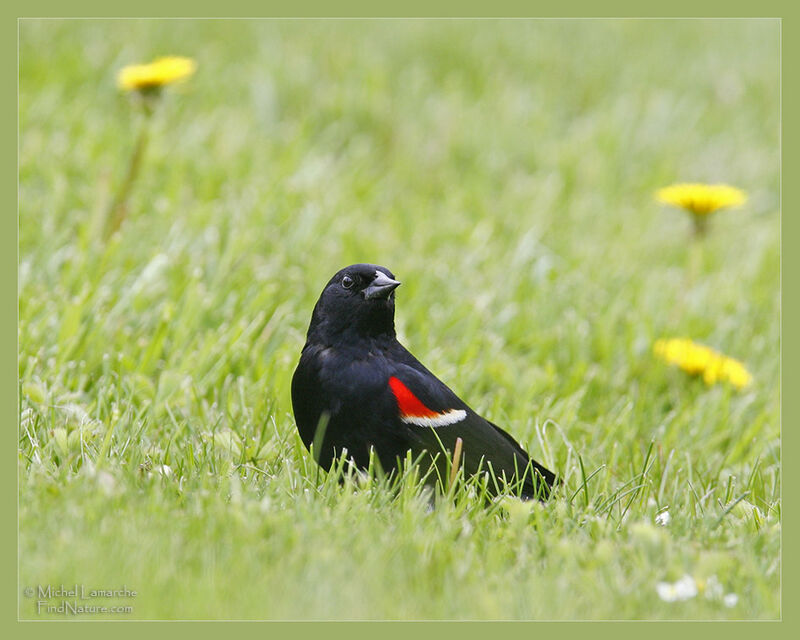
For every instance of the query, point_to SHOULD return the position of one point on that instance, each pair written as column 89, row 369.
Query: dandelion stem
column 118, row 210
column 699, row 226
column 696, row 250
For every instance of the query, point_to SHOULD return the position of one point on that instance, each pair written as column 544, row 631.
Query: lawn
column 505, row 171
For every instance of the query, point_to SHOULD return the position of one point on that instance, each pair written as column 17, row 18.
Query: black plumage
column 357, row 388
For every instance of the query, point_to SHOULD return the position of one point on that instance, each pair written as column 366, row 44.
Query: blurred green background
column 504, row 170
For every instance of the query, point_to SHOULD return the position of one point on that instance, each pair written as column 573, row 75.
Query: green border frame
column 790, row 234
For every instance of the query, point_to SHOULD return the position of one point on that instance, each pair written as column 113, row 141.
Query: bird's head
column 357, row 302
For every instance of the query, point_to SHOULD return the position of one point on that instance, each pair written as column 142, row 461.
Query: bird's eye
column 347, row 282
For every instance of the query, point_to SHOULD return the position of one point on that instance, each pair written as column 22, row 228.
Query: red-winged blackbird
column 357, row 388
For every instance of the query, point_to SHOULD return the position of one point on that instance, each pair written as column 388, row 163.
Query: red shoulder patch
column 407, row 402
column 413, row 411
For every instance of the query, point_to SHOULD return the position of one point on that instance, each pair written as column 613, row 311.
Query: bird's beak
column 380, row 287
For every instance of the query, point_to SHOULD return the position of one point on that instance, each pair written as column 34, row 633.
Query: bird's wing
column 434, row 417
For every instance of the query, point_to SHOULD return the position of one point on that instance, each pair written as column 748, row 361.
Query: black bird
column 357, row 388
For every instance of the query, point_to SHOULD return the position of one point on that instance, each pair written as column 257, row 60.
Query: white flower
column 713, row 588
column 683, row 589
column 663, row 518
column 164, row 470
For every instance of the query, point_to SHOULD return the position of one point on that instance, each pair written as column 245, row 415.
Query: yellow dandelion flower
column 698, row 359
column 701, row 199
column 160, row 72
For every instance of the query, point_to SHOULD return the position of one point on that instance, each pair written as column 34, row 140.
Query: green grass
column 505, row 171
